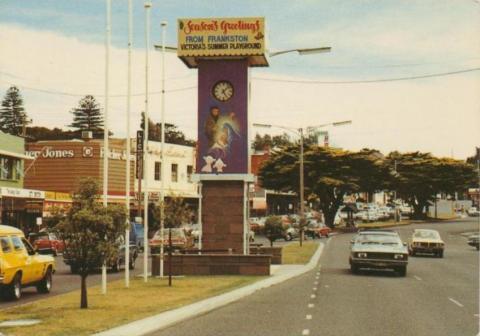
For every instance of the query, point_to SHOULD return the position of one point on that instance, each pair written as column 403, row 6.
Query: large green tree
column 421, row 176
column 330, row 174
column 13, row 117
column 91, row 233
column 87, row 116
column 265, row 141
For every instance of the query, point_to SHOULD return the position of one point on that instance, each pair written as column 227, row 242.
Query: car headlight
column 361, row 255
column 398, row 256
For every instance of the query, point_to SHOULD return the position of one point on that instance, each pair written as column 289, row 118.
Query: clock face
column 222, row 91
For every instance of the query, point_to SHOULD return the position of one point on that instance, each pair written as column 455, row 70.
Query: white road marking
column 311, row 305
column 308, row 317
column 314, row 289
column 305, row 332
column 317, row 277
column 313, row 296
column 315, row 283
column 456, row 302
column 327, row 286
column 417, row 277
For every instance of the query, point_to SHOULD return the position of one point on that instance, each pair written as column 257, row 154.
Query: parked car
column 180, row 240
column 378, row 249
column 46, row 243
column 290, row 233
column 315, row 229
column 473, row 212
column 115, row 264
column 21, row 266
column 426, row 241
column 473, row 240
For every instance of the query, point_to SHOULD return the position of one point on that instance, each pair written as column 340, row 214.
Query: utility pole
column 302, row 191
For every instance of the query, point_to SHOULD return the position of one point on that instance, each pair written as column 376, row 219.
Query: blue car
column 136, row 235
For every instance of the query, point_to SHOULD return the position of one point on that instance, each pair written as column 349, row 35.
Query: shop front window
column 9, row 168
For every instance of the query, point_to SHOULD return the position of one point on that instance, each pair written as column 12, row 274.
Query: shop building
column 57, row 167
column 19, row 207
column 178, row 170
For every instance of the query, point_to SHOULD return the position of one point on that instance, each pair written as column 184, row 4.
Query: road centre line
column 308, row 317
column 313, row 296
column 456, row 302
column 314, row 289
column 315, row 283
column 417, row 277
column 305, row 332
column 311, row 305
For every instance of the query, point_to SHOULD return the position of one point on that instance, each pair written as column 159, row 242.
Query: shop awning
column 16, row 155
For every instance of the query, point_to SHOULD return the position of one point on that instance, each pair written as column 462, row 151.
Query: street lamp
column 302, row 52
column 299, row 132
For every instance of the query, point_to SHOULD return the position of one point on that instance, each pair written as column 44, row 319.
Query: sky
column 54, row 51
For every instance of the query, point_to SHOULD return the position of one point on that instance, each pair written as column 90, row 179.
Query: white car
column 473, row 212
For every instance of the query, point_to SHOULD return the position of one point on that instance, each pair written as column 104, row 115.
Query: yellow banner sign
column 221, row 37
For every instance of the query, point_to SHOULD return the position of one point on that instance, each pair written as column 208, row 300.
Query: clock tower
column 223, row 49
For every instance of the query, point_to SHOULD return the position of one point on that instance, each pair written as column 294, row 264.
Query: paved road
column 64, row 281
column 438, row 297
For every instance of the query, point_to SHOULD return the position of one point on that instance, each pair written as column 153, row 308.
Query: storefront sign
column 221, row 37
column 50, row 153
column 21, row 193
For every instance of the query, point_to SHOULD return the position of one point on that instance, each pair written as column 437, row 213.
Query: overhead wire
column 298, row 81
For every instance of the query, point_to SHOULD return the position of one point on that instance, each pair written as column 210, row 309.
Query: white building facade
column 179, row 167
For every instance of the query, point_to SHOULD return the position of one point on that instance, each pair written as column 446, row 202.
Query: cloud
column 438, row 115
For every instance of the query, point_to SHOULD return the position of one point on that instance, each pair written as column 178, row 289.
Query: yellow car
column 21, row 266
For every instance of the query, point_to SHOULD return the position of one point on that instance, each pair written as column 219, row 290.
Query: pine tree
column 12, row 114
column 87, row 116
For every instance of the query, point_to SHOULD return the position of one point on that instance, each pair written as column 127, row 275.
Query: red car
column 317, row 230
column 46, row 241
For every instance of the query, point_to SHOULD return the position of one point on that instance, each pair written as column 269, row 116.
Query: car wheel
column 327, row 235
column 116, row 265
column 45, row 285
column 402, row 271
column 288, row 237
column 440, row 254
column 14, row 290
column 131, row 264
column 478, row 247
column 354, row 268
column 412, row 253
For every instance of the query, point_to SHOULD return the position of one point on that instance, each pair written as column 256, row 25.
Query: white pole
column 147, row 6
column 127, row 168
column 105, row 130
column 162, row 156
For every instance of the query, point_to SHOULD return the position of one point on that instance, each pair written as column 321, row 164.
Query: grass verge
column 296, row 254
column 384, row 224
column 61, row 314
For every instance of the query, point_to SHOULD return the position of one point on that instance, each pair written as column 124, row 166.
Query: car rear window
column 5, row 244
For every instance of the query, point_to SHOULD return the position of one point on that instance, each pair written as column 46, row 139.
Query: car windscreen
column 384, row 239
column 426, row 234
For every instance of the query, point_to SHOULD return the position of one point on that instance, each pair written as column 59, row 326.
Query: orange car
column 180, row 240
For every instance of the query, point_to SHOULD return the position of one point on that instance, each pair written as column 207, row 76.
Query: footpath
column 279, row 274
